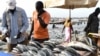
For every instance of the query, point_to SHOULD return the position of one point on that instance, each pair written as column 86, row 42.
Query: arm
column 24, row 22
column 63, row 29
column 64, row 26
column 71, row 27
column 45, row 21
column 32, row 28
column 4, row 23
column 31, row 31
column 42, row 23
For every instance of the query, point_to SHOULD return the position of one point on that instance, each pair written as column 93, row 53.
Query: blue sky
column 29, row 6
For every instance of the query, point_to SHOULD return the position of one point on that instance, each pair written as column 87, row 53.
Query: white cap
column 11, row 4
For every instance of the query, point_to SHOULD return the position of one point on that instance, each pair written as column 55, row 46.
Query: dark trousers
column 40, row 40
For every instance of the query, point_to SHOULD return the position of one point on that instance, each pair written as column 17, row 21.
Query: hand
column 86, row 29
column 29, row 37
column 40, row 12
column 19, row 35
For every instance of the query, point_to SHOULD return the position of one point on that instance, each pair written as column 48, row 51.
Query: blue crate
column 5, row 54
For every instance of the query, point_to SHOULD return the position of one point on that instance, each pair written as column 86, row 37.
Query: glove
column 19, row 35
column 7, row 34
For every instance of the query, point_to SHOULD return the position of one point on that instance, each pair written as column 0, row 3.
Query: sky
column 29, row 7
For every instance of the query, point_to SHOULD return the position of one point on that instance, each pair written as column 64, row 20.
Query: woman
column 68, row 28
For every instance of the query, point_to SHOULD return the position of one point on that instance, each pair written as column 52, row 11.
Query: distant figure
column 40, row 21
column 53, row 26
column 68, row 27
column 93, row 23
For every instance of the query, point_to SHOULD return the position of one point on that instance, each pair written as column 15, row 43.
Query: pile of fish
column 54, row 48
column 2, row 44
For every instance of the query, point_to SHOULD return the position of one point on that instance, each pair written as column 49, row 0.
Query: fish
column 35, row 44
column 66, row 51
column 80, row 45
column 45, row 52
